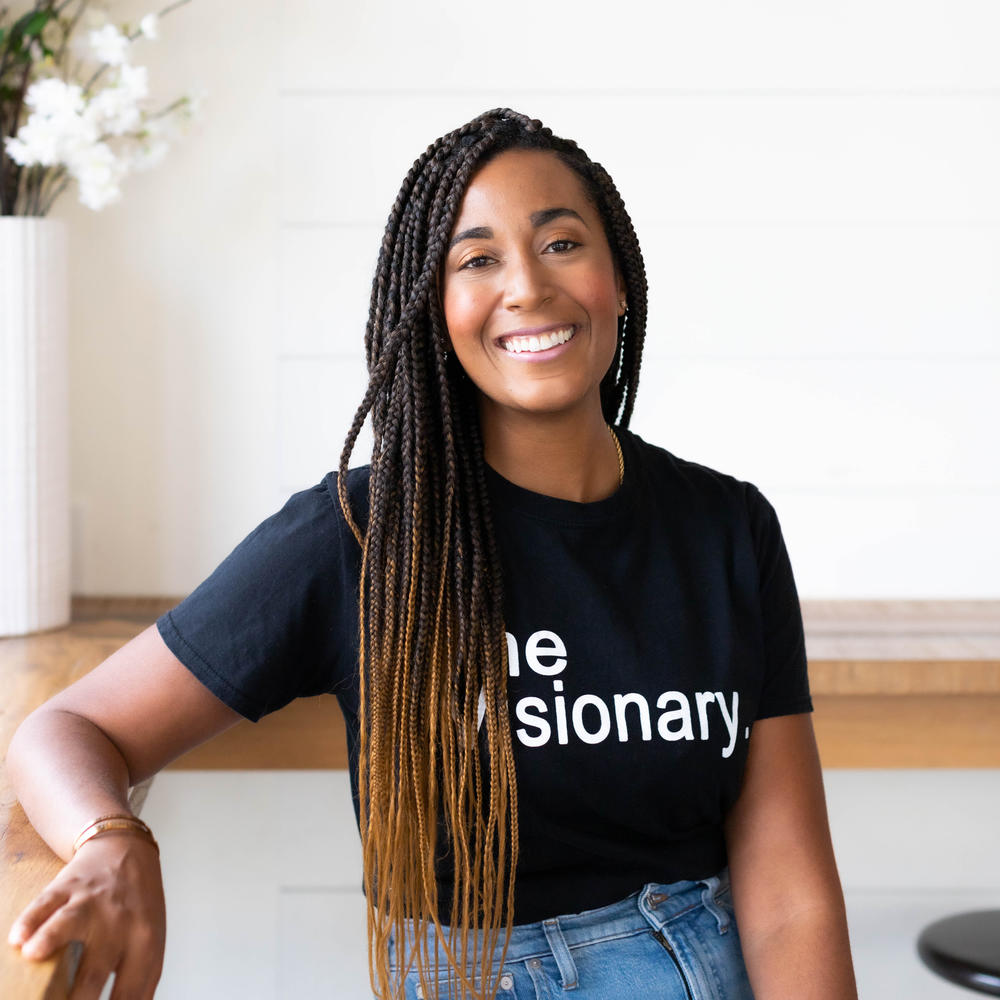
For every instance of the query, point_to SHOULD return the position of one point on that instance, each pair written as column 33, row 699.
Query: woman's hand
column 110, row 897
column 74, row 759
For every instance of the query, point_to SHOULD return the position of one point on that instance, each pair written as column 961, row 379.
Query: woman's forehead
column 519, row 183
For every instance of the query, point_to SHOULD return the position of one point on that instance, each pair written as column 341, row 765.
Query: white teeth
column 541, row 342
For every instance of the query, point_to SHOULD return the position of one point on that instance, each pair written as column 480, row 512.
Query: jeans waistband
column 654, row 905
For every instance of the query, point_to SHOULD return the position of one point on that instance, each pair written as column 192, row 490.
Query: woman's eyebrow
column 541, row 217
column 538, row 219
column 476, row 233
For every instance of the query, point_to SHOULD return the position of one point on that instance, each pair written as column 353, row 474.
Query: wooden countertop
column 903, row 647
column 881, row 672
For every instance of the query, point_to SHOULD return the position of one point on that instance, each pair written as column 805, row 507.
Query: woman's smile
column 538, row 344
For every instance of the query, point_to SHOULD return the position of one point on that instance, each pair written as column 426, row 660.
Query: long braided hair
column 433, row 656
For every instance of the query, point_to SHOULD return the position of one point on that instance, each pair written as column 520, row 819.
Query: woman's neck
column 571, row 456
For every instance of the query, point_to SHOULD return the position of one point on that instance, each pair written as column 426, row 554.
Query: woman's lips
column 537, row 344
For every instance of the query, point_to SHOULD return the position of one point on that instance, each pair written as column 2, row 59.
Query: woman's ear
column 622, row 296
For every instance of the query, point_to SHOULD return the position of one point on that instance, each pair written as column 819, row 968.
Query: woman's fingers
column 92, row 973
column 138, row 974
column 136, row 960
column 35, row 914
column 109, row 897
column 66, row 924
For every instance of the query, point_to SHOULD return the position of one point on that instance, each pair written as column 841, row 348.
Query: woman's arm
column 787, row 894
column 72, row 761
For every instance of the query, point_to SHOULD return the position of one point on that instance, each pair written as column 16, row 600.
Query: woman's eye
column 474, row 263
column 561, row 246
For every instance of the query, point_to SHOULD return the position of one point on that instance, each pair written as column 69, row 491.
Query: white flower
column 52, row 97
column 111, row 112
column 56, row 127
column 167, row 127
column 134, row 81
column 194, row 105
column 115, row 109
column 18, row 151
column 150, row 154
column 149, row 26
column 109, row 45
column 99, row 173
column 37, row 141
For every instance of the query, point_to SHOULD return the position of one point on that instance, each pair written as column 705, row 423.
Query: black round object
column 965, row 949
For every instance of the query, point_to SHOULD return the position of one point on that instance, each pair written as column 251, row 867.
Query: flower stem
column 52, row 178
column 55, row 194
column 16, row 112
column 37, row 180
column 67, row 32
column 166, row 111
column 173, row 6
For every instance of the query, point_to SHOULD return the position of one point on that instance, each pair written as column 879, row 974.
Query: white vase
column 34, row 426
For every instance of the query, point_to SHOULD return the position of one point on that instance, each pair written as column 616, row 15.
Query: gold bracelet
column 115, row 823
column 130, row 817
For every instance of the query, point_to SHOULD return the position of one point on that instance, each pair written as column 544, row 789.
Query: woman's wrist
column 115, row 823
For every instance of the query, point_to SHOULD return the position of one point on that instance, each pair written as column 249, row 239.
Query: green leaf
column 30, row 26
column 36, row 22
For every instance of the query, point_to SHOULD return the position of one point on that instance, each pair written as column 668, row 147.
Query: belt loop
column 567, row 967
column 712, row 887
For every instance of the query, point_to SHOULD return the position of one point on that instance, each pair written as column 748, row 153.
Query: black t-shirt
column 646, row 632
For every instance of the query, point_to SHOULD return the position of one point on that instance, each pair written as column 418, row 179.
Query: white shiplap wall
column 814, row 186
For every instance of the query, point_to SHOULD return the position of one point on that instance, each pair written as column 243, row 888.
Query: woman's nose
column 526, row 283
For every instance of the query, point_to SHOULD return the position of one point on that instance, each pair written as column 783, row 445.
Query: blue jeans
column 664, row 942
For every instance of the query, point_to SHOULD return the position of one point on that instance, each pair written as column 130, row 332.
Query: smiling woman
column 638, row 812
column 508, row 319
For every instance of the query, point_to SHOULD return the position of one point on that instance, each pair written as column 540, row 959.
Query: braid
column 432, row 636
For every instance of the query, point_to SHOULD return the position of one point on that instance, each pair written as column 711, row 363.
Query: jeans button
column 506, row 982
column 535, row 963
column 655, row 898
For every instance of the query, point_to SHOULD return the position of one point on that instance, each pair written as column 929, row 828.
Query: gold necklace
column 621, row 460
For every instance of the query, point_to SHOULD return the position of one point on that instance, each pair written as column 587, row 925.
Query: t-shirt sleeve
column 278, row 618
column 785, row 689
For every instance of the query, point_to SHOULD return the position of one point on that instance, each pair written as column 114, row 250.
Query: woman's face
column 530, row 290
